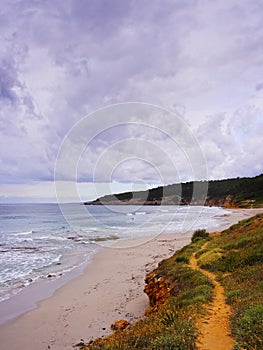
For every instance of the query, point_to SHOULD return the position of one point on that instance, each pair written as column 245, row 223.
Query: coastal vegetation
column 232, row 193
column 236, row 257
column 182, row 289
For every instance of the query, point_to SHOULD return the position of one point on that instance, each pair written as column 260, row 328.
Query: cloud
column 58, row 63
column 231, row 142
column 259, row 86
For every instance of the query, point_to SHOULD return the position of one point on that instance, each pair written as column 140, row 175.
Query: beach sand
column 110, row 288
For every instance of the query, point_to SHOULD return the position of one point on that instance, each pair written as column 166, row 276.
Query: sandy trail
column 214, row 328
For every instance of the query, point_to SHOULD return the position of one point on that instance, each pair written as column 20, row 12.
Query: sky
column 201, row 61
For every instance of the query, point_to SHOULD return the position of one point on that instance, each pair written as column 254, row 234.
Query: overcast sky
column 62, row 60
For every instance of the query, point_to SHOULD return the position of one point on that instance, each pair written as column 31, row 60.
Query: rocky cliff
column 158, row 290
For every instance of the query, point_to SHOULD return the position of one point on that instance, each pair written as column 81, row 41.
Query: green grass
column 249, row 330
column 236, row 257
column 240, row 271
column 173, row 325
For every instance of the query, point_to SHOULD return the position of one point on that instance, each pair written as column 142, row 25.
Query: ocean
column 46, row 241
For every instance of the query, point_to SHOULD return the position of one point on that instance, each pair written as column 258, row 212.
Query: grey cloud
column 7, row 83
column 259, row 86
column 233, row 148
column 68, row 59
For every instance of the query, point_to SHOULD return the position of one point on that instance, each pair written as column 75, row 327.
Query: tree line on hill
column 237, row 192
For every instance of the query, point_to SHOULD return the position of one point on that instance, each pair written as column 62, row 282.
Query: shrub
column 182, row 258
column 199, row 234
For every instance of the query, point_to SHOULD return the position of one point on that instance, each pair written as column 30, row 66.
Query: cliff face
column 227, row 202
column 158, row 290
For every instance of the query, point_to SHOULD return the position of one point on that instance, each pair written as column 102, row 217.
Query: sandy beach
column 110, row 288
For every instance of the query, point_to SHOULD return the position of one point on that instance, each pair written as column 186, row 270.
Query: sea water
column 45, row 241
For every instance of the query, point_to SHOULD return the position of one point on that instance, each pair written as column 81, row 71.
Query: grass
column 236, row 257
column 239, row 267
column 173, row 325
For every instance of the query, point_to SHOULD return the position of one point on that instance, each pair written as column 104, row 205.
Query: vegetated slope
column 239, row 192
column 179, row 295
column 214, row 329
column 236, row 257
column 176, row 294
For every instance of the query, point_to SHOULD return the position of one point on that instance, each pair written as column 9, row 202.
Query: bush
column 199, row 234
column 182, row 258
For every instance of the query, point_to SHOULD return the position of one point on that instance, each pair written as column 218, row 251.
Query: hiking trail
column 214, row 329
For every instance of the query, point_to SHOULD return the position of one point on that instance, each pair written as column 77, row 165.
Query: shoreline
column 110, row 288
column 41, row 289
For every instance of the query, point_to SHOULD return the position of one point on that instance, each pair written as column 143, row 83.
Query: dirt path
column 214, row 329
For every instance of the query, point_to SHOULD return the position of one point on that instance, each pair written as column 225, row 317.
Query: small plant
column 169, row 318
column 199, row 234
column 232, row 296
column 182, row 258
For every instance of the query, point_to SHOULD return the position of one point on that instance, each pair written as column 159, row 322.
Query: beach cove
column 110, row 288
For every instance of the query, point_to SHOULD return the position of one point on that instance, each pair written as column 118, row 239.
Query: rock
column 81, row 345
column 158, row 291
column 119, row 325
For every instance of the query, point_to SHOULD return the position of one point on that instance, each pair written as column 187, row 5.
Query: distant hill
column 243, row 192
